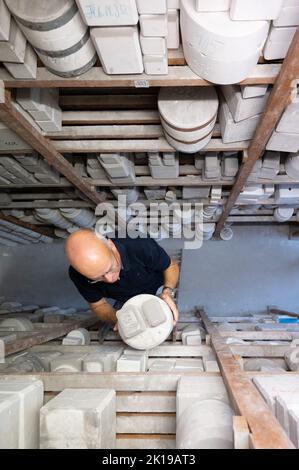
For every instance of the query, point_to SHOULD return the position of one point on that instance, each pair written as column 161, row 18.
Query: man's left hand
column 170, row 302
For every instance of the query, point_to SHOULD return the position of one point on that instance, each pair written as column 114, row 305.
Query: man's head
column 97, row 258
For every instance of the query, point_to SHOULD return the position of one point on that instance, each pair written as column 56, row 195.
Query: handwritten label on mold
column 108, row 10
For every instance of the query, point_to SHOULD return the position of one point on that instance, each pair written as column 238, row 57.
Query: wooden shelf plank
column 96, row 78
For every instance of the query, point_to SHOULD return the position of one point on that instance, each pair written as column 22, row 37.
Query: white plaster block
column 289, row 16
column 230, row 166
column 252, row 91
column 232, row 131
column 193, row 192
column 153, row 46
column 286, row 194
column 155, row 193
column 155, row 64
column 5, row 19
column 283, row 142
column 284, row 403
column 278, row 42
column 9, row 421
column 130, row 363
column 79, row 419
column 191, row 389
column 93, row 363
column 26, row 70
column 119, row 167
column 255, row 9
column 79, row 337
column 173, row 4
column 215, row 5
column 108, row 12
column 160, row 168
column 9, row 140
column 14, row 49
column 119, row 49
column 173, row 29
column 69, row 362
column 272, row 386
column 294, row 426
column 289, row 122
column 30, row 395
column 154, row 7
column 241, row 108
column 16, row 324
column 153, row 25
column 53, row 124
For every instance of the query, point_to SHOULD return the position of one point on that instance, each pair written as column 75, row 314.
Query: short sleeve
column 90, row 292
column 155, row 257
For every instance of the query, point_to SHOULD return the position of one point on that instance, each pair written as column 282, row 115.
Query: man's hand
column 169, row 300
column 115, row 328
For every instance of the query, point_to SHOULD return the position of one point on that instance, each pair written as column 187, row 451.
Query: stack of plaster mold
column 205, row 231
column 54, row 216
column 103, row 359
column 203, row 413
column 39, row 168
column 188, row 116
column 22, row 363
column 292, row 357
column 57, row 33
column 131, row 194
column 282, row 31
column 155, row 193
column 23, row 215
column 145, row 321
column 119, row 167
column 196, row 192
column 281, row 393
column 115, row 36
column 20, row 403
column 13, row 172
column 42, row 105
column 270, row 165
column 154, row 34
column 79, row 337
column 217, row 48
column 193, row 335
column 287, row 194
column 285, row 138
column 229, row 165
column 283, row 214
column 165, row 166
column 65, row 421
column 10, row 141
column 12, row 235
column 211, row 168
column 173, row 24
column 254, row 193
column 292, row 165
column 239, row 116
column 17, row 55
column 94, row 168
column 80, row 217
column 132, row 360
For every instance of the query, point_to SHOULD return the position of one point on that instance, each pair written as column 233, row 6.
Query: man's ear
column 110, row 243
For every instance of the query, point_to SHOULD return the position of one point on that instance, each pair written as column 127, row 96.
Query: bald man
column 119, row 268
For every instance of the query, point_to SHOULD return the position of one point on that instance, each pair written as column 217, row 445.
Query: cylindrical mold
column 283, row 214
column 54, row 217
column 58, row 33
column 207, row 424
column 218, row 49
column 81, row 217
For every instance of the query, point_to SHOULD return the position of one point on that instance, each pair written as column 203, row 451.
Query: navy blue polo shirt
column 143, row 263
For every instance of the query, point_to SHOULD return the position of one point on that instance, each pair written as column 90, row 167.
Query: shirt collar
column 123, row 255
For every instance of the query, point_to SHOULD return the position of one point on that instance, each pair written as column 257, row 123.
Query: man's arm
column 104, row 311
column 171, row 277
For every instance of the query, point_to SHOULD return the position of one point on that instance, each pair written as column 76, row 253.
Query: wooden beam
column 277, row 102
column 15, row 121
column 34, row 228
column 97, row 78
column 47, row 334
column 266, row 431
column 278, row 311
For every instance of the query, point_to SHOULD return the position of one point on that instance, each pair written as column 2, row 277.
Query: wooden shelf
column 96, row 78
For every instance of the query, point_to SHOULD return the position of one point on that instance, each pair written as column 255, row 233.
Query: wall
column 258, row 267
